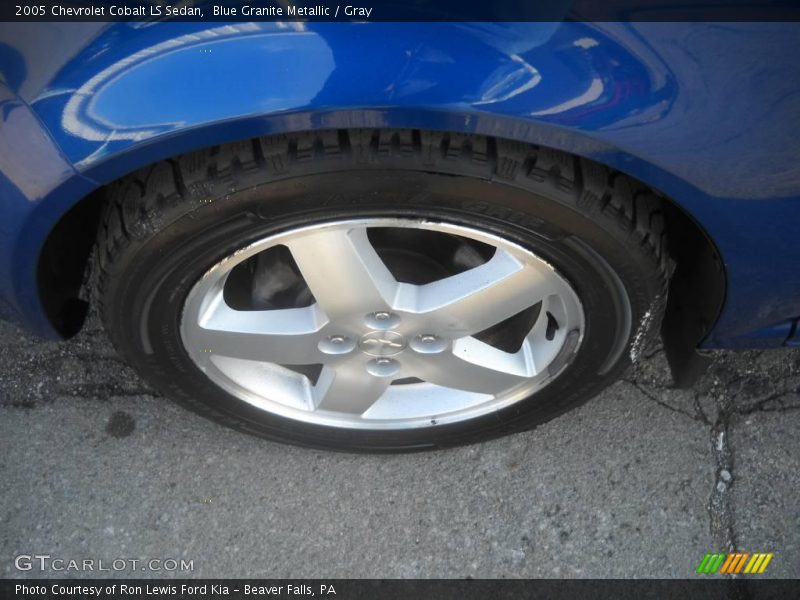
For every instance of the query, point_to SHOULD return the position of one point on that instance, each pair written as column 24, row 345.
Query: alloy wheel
column 347, row 333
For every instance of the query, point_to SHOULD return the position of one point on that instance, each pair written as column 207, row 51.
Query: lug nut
column 428, row 343
column 382, row 320
column 383, row 367
column 336, row 344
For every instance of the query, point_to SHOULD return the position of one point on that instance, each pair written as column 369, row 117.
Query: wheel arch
column 697, row 288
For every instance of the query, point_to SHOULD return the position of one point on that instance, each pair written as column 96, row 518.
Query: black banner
column 399, row 10
column 394, row 589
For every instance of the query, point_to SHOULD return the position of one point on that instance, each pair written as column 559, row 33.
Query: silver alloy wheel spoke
column 348, row 388
column 536, row 344
column 287, row 336
column 474, row 366
column 469, row 302
column 343, row 271
column 391, row 355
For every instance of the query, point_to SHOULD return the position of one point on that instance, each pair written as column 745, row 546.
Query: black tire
column 167, row 224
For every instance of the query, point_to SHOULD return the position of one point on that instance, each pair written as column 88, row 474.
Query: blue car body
column 707, row 114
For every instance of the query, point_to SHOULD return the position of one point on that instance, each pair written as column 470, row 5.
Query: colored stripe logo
column 735, row 563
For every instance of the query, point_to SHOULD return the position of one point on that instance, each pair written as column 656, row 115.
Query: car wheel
column 380, row 290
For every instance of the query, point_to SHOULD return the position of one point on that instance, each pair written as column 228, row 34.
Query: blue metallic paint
column 707, row 113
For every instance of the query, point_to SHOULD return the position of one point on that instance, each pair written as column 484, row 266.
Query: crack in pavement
column 721, row 520
column 730, row 392
column 652, row 397
column 721, row 509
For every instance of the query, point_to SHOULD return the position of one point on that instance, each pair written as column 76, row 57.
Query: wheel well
column 63, row 267
column 696, row 290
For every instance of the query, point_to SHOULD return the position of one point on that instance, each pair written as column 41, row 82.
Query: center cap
column 382, row 343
